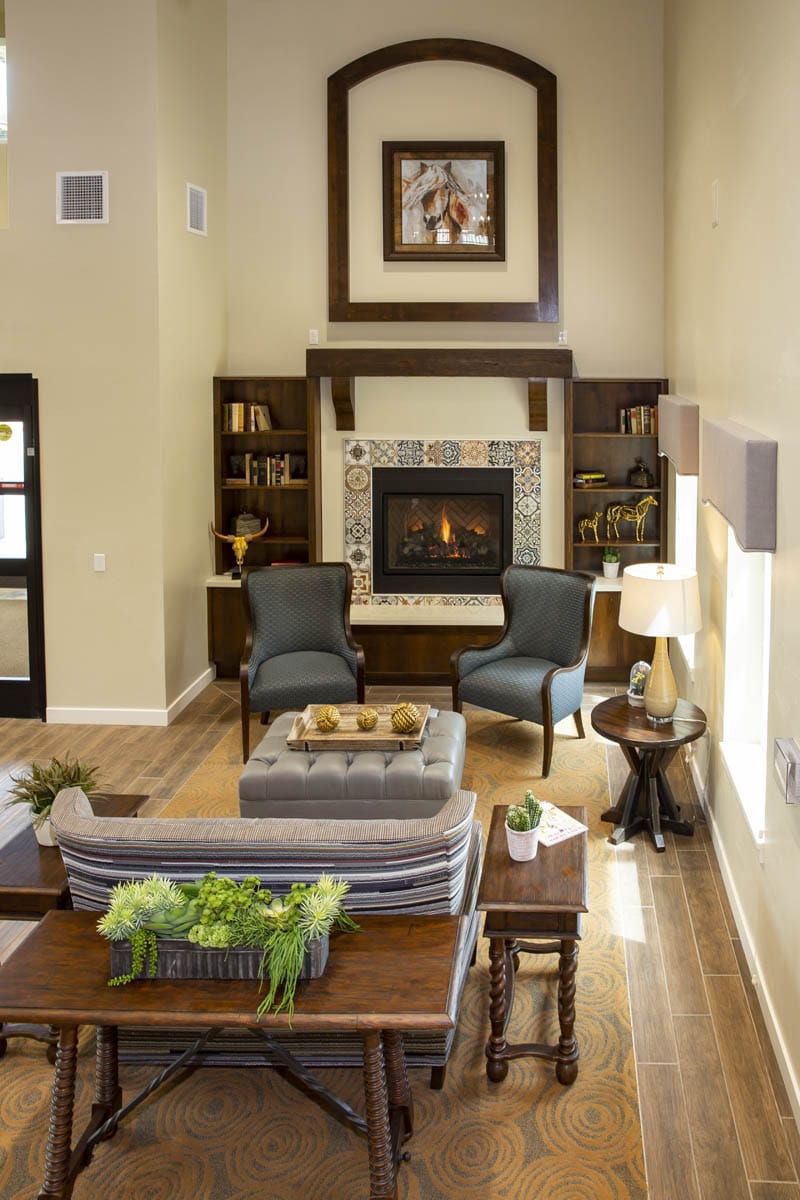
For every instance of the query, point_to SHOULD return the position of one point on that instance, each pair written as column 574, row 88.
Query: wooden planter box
column 181, row 959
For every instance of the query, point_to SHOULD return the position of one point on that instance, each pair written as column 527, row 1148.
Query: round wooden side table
column 646, row 800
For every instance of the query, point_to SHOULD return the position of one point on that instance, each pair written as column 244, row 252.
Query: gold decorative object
column 328, row 718
column 367, row 719
column 404, row 717
column 239, row 542
column 635, row 513
column 589, row 523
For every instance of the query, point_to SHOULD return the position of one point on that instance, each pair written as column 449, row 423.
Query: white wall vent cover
column 82, row 197
column 196, row 209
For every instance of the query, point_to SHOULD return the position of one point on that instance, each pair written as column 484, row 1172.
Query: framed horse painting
column 444, row 201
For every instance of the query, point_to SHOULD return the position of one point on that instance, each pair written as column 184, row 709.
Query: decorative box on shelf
column 179, row 958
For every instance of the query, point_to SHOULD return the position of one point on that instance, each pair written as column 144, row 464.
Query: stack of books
column 590, row 479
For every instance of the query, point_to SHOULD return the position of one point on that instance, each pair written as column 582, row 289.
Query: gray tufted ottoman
column 347, row 784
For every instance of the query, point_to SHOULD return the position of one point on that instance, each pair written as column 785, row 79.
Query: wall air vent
column 82, row 197
column 196, row 209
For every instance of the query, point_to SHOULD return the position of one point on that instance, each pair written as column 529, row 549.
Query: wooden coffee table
column 33, row 881
column 394, row 974
column 540, row 901
column 646, row 800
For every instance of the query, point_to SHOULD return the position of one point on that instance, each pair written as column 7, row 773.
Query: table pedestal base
column 646, row 800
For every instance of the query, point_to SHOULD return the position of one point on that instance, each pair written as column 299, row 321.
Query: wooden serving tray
column 304, row 734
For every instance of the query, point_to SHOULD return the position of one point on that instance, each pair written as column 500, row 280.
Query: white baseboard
column 766, row 1005
column 131, row 716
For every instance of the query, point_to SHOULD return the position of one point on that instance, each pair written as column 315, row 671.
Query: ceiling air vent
column 196, row 209
column 82, row 197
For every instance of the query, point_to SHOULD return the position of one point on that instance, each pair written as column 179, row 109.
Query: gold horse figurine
column 589, row 523
column 239, row 542
column 636, row 513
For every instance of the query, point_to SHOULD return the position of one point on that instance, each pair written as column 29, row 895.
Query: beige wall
column 191, row 314
column 732, row 316
column 123, row 325
column 78, row 309
column 607, row 60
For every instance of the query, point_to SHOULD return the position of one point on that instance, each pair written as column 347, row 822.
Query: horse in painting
column 436, row 203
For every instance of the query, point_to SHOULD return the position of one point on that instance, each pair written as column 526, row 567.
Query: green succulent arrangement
column 611, row 554
column 523, row 817
column 41, row 783
column 223, row 914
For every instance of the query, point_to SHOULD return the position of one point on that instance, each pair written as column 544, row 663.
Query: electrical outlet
column 562, row 337
column 313, row 337
column 99, row 562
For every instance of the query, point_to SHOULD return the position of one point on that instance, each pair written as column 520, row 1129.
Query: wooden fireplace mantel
column 342, row 366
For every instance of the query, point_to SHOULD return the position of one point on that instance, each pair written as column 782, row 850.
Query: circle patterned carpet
column 226, row 1134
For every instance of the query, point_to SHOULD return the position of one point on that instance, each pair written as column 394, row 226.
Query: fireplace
column 441, row 530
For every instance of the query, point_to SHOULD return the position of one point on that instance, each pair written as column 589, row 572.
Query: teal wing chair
column 298, row 648
column 535, row 669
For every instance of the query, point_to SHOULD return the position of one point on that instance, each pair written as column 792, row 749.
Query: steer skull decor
column 239, row 542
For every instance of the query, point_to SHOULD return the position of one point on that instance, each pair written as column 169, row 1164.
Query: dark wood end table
column 646, row 800
column 535, row 908
column 394, row 974
column 33, row 881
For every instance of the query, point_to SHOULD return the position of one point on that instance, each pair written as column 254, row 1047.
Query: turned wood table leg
column 382, row 1171
column 59, row 1135
column 107, row 1092
column 567, row 1064
column 397, row 1080
column 499, row 964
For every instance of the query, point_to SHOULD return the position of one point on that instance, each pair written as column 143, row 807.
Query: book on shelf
column 590, row 479
column 239, row 416
column 640, row 420
column 556, row 826
column 262, row 417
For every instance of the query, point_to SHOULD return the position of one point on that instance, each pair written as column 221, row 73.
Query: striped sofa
column 420, row 865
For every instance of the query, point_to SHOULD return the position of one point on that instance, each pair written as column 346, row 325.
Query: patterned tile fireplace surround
column 522, row 461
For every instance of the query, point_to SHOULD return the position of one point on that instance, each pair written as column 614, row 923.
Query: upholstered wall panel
column 679, row 433
column 739, row 477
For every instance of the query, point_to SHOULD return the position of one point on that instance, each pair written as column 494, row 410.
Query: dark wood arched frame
column 340, row 307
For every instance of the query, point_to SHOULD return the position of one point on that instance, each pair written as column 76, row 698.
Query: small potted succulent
column 611, row 562
column 41, row 783
column 522, row 828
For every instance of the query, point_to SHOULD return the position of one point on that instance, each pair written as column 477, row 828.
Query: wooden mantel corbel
column 342, row 366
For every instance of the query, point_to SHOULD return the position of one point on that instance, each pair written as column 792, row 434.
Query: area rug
column 224, row 1134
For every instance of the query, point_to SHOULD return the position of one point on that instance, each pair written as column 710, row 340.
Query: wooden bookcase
column 593, row 442
column 293, row 508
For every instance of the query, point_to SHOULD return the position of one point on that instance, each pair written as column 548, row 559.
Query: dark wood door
column 22, row 676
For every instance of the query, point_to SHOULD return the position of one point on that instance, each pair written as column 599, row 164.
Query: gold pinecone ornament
column 367, row 719
column 404, row 717
column 328, row 717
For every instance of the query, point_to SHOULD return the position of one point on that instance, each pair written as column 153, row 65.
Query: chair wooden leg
column 547, row 753
column 265, row 718
column 245, row 729
column 578, row 719
column 456, row 699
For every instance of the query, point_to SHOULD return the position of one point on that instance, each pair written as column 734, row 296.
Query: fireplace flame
column 446, row 528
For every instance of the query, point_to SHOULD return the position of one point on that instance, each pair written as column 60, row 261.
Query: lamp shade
column 659, row 600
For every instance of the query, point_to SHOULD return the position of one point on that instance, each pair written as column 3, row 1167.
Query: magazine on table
column 556, row 826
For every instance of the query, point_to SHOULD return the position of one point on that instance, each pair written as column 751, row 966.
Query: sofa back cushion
column 417, row 865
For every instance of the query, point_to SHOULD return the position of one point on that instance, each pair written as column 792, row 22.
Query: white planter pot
column 44, row 833
column 522, row 843
column 611, row 570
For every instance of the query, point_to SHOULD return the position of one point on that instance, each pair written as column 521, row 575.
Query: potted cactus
column 522, row 828
column 611, row 562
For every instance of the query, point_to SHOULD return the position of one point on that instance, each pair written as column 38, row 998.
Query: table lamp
column 660, row 600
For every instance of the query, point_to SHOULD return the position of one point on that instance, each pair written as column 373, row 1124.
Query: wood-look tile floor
column 716, row 1119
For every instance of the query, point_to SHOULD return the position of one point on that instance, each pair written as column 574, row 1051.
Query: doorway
column 22, row 676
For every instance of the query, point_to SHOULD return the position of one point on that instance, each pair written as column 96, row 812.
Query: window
column 3, row 93
column 747, row 628
column 686, row 542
